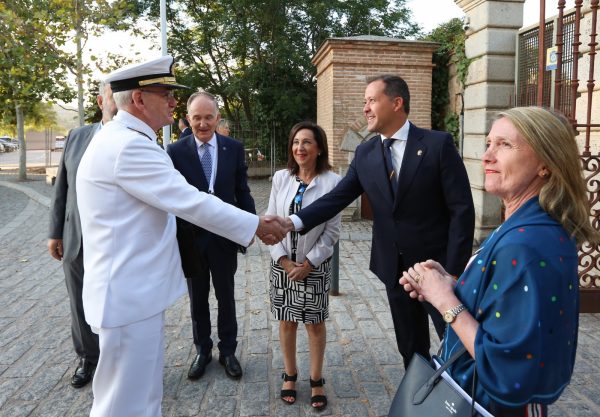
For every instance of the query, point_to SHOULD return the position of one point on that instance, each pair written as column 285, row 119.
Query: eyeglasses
column 167, row 95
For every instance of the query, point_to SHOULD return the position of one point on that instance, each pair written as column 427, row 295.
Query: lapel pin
column 419, row 152
column 224, row 148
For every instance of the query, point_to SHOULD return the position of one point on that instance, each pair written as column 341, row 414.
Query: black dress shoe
column 83, row 374
column 232, row 366
column 199, row 365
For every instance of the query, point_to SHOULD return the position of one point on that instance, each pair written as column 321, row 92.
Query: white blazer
column 317, row 244
column 128, row 195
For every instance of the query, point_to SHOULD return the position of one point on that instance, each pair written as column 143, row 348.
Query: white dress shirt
column 398, row 145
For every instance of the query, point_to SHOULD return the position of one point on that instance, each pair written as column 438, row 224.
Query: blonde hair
column 564, row 195
column 223, row 124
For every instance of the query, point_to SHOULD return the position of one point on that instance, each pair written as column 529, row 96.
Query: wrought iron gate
column 560, row 89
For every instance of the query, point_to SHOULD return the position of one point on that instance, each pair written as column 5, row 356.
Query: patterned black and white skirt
column 304, row 301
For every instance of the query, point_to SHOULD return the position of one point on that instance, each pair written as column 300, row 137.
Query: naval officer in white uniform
column 128, row 195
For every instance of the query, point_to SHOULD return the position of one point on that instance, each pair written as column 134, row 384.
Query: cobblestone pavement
column 362, row 366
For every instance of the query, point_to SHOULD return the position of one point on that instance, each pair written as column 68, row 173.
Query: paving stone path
column 362, row 366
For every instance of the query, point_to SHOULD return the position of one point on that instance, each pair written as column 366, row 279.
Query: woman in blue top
column 515, row 308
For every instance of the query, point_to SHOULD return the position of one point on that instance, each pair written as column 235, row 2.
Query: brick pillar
column 491, row 43
column 343, row 66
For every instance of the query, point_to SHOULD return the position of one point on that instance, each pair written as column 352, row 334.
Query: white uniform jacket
column 317, row 244
column 128, row 195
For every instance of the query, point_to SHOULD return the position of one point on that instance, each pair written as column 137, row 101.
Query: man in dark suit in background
column 421, row 199
column 184, row 127
column 212, row 163
column 65, row 242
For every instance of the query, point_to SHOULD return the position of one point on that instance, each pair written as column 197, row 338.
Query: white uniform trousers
column 129, row 376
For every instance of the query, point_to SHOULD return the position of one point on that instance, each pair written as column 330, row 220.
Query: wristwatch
column 450, row 315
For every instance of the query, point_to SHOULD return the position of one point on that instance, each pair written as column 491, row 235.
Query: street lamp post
column 163, row 47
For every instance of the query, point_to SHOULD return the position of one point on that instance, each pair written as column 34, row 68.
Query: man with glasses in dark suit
column 65, row 241
column 212, row 163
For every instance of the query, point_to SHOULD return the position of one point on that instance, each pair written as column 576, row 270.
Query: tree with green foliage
column 105, row 65
column 89, row 18
column 33, row 66
column 38, row 116
column 255, row 55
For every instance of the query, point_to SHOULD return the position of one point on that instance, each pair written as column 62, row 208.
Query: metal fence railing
column 560, row 88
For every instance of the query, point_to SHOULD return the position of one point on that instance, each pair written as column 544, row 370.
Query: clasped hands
column 296, row 271
column 428, row 281
column 272, row 229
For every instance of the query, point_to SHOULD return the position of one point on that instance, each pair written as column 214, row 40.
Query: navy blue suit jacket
column 185, row 132
column 231, row 186
column 431, row 217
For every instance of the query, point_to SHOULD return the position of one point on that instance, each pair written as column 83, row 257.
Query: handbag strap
column 428, row 386
column 473, row 384
column 447, row 364
column 453, row 359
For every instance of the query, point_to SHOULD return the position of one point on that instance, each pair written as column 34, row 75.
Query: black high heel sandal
column 288, row 392
column 318, row 398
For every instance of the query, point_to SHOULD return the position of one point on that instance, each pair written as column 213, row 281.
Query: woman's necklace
column 306, row 178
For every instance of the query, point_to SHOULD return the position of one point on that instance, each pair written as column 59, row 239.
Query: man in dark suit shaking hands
column 215, row 164
column 65, row 241
column 421, row 199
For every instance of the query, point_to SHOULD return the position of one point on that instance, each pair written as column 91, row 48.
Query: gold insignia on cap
column 161, row 80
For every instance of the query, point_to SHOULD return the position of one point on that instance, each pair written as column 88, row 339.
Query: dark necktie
column 387, row 152
column 206, row 162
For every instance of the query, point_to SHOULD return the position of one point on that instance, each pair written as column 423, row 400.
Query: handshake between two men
column 272, row 229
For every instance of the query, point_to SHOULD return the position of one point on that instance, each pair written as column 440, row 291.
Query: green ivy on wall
column 452, row 125
column 451, row 37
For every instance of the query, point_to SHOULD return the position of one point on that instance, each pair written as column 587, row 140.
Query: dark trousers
column 84, row 340
column 221, row 264
column 411, row 324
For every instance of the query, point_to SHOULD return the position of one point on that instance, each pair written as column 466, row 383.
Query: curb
column 34, row 195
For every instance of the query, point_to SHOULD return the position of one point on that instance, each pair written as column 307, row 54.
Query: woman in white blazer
column 300, row 264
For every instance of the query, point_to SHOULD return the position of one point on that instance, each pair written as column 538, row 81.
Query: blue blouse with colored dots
column 522, row 288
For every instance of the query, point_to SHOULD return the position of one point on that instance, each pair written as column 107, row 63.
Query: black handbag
column 424, row 392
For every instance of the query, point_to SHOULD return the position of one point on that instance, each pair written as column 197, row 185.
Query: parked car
column 8, row 144
column 254, row 154
column 59, row 143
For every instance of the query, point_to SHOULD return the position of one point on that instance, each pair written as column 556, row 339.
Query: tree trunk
column 22, row 146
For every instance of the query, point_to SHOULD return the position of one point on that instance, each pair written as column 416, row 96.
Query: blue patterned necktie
column 206, row 161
